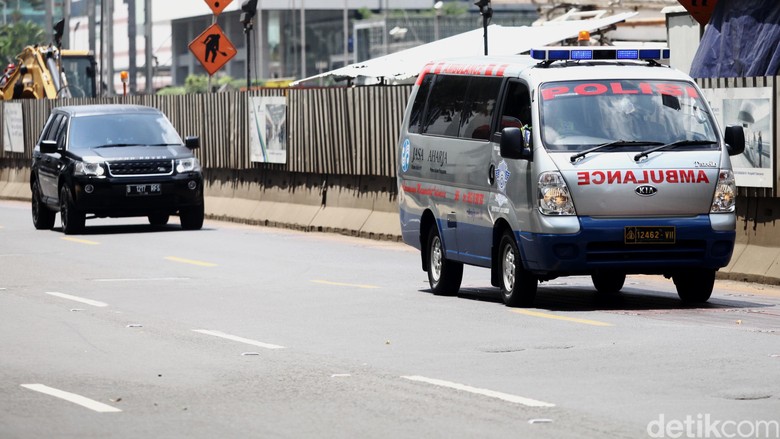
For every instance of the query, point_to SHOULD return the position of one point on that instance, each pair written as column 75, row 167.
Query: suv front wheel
column 191, row 218
column 71, row 218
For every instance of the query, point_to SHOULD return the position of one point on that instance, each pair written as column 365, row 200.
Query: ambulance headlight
column 554, row 196
column 725, row 198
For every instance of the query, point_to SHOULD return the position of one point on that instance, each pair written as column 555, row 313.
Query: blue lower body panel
column 600, row 246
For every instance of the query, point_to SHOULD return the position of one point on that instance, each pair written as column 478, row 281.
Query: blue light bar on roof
column 600, row 53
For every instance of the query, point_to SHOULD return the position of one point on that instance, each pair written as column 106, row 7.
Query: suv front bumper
column 109, row 196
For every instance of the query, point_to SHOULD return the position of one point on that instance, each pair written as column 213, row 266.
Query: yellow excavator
column 50, row 72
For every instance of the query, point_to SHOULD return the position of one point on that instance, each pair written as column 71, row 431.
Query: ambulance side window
column 445, row 105
column 516, row 109
column 481, row 103
column 419, row 104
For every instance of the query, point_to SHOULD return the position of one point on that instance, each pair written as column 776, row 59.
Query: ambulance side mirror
column 513, row 145
column 735, row 139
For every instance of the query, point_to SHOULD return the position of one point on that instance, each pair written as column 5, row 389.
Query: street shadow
column 631, row 298
column 126, row 229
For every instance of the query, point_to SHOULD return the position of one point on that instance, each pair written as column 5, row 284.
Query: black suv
column 114, row 161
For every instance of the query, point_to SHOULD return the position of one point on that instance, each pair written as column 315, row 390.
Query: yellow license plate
column 650, row 235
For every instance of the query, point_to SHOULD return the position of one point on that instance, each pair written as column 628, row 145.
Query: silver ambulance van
column 570, row 161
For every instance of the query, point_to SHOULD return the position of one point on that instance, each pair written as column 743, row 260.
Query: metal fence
column 335, row 131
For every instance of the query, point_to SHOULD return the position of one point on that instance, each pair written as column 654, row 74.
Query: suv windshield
column 122, row 130
column 636, row 114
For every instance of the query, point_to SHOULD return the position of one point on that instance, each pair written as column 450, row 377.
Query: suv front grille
column 133, row 168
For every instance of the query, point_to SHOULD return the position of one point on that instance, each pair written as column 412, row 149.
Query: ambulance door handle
column 491, row 174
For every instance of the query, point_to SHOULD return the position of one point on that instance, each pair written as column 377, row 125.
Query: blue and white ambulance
column 570, row 161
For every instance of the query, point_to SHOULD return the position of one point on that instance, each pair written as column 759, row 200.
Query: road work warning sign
column 212, row 48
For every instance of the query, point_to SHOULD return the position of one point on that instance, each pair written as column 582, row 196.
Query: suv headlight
column 725, row 198
column 187, row 165
column 554, row 196
column 89, row 169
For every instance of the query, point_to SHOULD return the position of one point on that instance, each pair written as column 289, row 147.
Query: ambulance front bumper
column 601, row 245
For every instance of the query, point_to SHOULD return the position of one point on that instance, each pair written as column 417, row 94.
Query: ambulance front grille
column 685, row 250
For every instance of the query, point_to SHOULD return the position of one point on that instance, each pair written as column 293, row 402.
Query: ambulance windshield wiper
column 580, row 154
column 685, row 142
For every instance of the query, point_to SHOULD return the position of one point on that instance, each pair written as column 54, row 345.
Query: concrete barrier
column 15, row 183
column 367, row 207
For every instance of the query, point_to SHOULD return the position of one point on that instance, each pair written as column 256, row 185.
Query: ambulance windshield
column 576, row 115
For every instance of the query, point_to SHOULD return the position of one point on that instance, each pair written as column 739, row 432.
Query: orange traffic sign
column 213, row 48
column 218, row 5
column 700, row 10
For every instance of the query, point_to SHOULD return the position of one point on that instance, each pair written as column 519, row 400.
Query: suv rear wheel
column 71, row 218
column 42, row 216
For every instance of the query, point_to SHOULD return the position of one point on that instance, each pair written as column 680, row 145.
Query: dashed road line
column 563, row 318
column 190, row 261
column 72, row 397
column 341, row 284
column 484, row 392
column 80, row 241
column 140, row 279
column 238, row 339
column 78, row 299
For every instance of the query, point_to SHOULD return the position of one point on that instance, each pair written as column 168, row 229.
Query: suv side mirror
column 514, row 145
column 735, row 139
column 192, row 142
column 48, row 146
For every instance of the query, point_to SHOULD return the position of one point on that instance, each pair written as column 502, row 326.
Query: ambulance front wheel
column 694, row 286
column 518, row 286
column 444, row 275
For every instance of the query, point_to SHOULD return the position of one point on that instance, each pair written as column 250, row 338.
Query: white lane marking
column 140, row 279
column 484, row 392
column 79, row 299
column 238, row 339
column 72, row 397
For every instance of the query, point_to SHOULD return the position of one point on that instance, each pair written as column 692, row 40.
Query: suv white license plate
column 140, row 190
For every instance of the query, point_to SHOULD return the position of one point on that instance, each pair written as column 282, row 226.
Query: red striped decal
column 425, row 71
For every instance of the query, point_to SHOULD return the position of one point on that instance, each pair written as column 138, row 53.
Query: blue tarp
column 742, row 39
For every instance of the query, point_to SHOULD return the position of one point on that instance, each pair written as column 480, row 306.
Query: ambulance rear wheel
column 518, row 286
column 608, row 283
column 444, row 275
column 694, row 286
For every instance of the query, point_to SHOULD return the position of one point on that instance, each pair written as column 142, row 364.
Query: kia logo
column 646, row 190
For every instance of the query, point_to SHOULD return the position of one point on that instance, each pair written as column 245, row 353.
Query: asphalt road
column 133, row 331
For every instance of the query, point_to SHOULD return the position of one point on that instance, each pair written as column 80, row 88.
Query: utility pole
column 48, row 20
column 303, row 39
column 148, row 46
column 249, row 9
column 132, row 49
column 109, row 17
column 91, row 24
column 66, row 43
column 487, row 13
column 346, row 32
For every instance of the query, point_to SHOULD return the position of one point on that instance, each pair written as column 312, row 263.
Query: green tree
column 15, row 37
column 200, row 83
